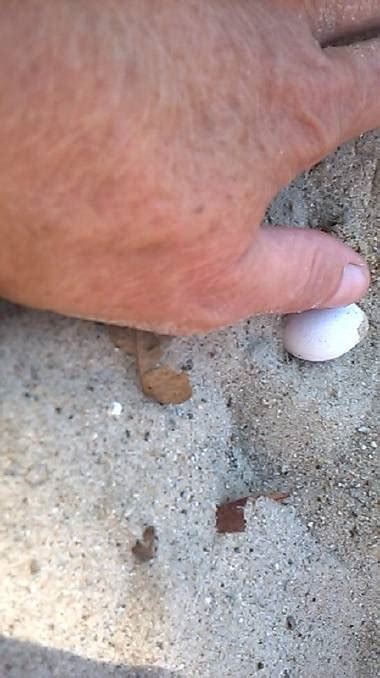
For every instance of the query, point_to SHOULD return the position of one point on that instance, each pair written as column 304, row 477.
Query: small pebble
column 12, row 468
column 37, row 475
column 34, row 566
column 363, row 429
column 116, row 409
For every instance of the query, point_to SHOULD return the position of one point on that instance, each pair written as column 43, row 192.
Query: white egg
column 324, row 334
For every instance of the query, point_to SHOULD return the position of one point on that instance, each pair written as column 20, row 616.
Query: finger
column 356, row 92
column 285, row 270
column 332, row 20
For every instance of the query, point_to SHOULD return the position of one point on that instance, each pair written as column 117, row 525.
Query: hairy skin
column 141, row 142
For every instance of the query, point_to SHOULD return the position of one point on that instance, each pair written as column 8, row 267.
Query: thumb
column 291, row 269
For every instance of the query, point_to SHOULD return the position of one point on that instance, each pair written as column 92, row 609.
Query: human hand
column 142, row 142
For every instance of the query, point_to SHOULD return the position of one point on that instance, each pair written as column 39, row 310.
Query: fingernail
column 353, row 285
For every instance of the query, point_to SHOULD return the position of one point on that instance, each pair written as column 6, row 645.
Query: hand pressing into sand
column 141, row 143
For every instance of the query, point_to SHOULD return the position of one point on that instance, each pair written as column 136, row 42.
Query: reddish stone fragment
column 230, row 516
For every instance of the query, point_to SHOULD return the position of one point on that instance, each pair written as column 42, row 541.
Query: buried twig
column 158, row 381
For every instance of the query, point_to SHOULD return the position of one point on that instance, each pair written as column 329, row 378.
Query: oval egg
column 324, row 334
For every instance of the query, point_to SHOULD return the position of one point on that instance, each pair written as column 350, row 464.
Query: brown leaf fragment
column 145, row 549
column 166, row 386
column 123, row 338
column 159, row 381
column 148, row 350
column 230, row 516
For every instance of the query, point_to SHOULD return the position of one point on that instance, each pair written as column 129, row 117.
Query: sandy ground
column 293, row 595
